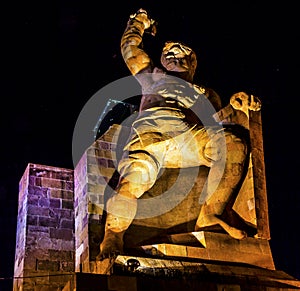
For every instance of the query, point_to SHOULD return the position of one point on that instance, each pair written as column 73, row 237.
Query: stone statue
column 175, row 128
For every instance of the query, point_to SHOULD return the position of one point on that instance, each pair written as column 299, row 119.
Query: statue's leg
column 224, row 177
column 120, row 213
column 138, row 172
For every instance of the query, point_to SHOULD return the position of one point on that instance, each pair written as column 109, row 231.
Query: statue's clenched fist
column 149, row 24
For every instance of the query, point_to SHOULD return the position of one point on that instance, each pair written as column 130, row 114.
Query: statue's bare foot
column 236, row 233
column 111, row 246
column 211, row 220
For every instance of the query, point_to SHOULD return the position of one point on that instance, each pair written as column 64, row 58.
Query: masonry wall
column 44, row 255
column 92, row 174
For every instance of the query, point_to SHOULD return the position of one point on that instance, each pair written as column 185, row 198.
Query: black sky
column 57, row 55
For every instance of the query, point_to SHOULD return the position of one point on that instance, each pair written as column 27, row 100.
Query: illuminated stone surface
column 44, row 256
column 149, row 274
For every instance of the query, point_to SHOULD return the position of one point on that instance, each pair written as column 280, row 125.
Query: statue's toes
column 107, row 254
column 237, row 233
column 109, row 249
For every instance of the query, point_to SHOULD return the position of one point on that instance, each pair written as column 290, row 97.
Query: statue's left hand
column 242, row 101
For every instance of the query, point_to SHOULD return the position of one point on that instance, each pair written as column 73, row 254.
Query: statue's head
column 178, row 57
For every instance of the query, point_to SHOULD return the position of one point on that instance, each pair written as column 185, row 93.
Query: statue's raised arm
column 134, row 56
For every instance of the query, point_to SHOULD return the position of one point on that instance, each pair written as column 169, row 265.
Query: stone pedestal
column 215, row 247
column 129, row 273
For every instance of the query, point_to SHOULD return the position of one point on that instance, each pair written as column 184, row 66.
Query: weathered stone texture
column 259, row 176
column 45, row 231
column 92, row 174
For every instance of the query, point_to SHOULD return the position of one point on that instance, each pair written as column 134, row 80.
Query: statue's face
column 178, row 57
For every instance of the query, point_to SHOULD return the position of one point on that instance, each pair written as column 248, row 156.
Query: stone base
column 203, row 245
column 129, row 273
column 215, row 247
column 188, row 261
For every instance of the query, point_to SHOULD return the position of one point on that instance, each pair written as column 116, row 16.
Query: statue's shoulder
column 210, row 94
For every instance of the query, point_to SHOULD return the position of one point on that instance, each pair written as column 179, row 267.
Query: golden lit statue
column 174, row 128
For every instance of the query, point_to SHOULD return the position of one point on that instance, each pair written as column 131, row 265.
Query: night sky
column 57, row 54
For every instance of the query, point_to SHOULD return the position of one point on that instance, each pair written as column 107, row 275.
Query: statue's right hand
column 142, row 16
